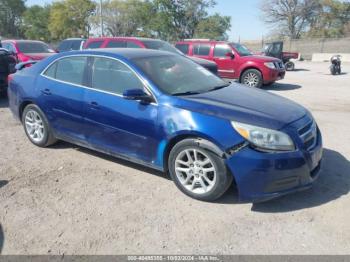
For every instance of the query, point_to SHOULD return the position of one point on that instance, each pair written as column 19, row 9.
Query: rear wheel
column 37, row 127
column 197, row 172
column 252, row 78
column 339, row 70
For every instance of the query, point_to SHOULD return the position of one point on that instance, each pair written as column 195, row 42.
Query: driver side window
column 112, row 76
column 222, row 51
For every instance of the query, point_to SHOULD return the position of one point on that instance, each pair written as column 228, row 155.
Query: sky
column 245, row 17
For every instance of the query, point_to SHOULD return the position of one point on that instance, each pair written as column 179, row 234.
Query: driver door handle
column 46, row 91
column 94, row 105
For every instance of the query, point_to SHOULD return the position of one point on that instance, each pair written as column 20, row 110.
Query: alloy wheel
column 195, row 171
column 251, row 80
column 34, row 126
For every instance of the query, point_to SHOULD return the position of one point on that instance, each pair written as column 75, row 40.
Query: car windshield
column 161, row 45
column 241, row 49
column 177, row 75
column 33, row 47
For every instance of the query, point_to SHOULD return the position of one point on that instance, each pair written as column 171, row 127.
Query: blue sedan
column 166, row 112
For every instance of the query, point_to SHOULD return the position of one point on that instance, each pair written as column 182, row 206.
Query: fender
column 211, row 147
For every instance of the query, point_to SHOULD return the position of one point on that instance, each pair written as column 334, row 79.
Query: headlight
column 264, row 138
column 270, row 65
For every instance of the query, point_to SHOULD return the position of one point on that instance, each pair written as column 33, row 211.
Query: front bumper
column 273, row 75
column 263, row 176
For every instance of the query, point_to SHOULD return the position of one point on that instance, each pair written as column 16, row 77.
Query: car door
column 117, row 125
column 202, row 50
column 226, row 64
column 62, row 94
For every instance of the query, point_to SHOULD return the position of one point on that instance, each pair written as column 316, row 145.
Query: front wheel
column 37, row 127
column 333, row 70
column 252, row 78
column 197, row 172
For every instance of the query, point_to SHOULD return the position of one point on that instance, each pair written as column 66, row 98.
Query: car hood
column 247, row 105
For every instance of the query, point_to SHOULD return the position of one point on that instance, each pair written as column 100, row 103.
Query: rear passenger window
column 222, row 50
column 183, row 48
column 94, row 45
column 112, row 76
column 116, row 44
column 51, row 71
column 132, row 45
column 201, row 49
column 70, row 69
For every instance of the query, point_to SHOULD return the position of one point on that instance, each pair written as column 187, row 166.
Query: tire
column 37, row 127
column 333, row 70
column 252, row 78
column 190, row 176
column 290, row 66
column 339, row 70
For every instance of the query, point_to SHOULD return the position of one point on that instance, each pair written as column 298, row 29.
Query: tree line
column 166, row 19
column 307, row 18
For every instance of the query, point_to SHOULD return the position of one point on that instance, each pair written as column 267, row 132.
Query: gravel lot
column 70, row 200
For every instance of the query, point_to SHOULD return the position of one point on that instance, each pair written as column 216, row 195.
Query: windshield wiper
column 218, row 87
column 188, row 93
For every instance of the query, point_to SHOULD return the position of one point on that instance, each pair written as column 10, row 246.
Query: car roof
column 123, row 38
column 128, row 53
column 204, row 42
column 22, row 41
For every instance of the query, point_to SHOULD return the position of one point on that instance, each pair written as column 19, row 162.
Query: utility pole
column 101, row 19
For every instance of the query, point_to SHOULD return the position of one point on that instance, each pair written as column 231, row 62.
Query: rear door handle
column 94, row 105
column 46, row 91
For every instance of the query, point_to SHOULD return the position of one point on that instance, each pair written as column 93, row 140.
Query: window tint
column 241, row 49
column 201, row 49
column 222, row 50
column 6, row 46
column 71, row 69
column 183, row 48
column 33, row 47
column 95, row 44
column 175, row 74
column 112, row 76
column 51, row 71
column 76, row 44
column 132, row 45
column 9, row 47
column 64, row 46
column 160, row 45
column 116, row 44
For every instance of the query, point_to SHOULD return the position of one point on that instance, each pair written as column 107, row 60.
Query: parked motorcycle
column 335, row 65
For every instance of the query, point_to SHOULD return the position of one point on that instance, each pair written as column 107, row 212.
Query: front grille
column 308, row 135
column 279, row 65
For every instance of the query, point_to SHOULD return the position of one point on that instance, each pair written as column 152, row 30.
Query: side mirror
column 137, row 94
column 230, row 55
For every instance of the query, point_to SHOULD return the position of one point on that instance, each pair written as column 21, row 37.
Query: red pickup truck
column 235, row 61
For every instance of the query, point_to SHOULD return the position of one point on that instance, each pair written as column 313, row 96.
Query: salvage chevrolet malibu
column 166, row 112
